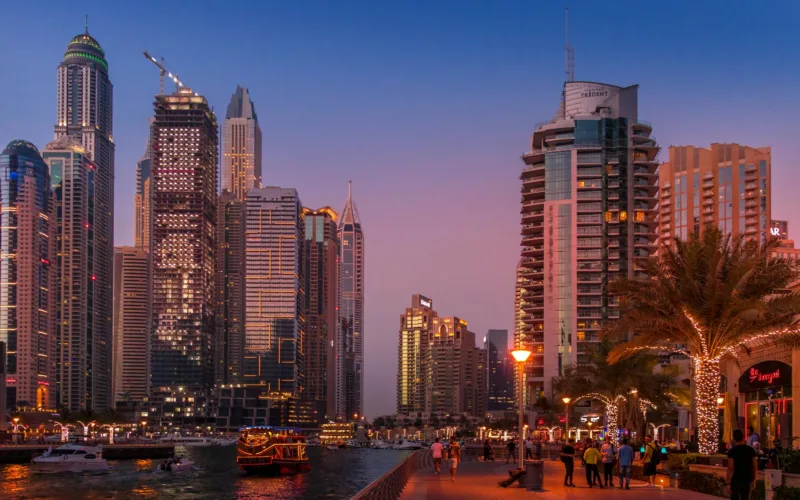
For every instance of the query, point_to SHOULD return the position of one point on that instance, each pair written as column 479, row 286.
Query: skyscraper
column 241, row 146
column 413, row 356
column 131, row 323
column 184, row 241
column 27, row 277
column 230, row 289
column 501, row 371
column 85, row 118
column 588, row 216
column 452, row 384
column 727, row 185
column 350, row 390
column 274, row 293
column 142, row 200
column 321, row 283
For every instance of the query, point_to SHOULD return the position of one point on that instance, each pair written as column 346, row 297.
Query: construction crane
column 163, row 71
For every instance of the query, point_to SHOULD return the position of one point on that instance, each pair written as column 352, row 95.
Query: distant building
column 241, row 146
column 779, row 229
column 274, row 295
column 27, row 279
column 350, row 390
column 83, row 283
column 453, row 383
column 131, row 324
column 184, row 242
column 240, row 406
column 727, row 185
column 142, row 201
column 416, row 327
column 501, row 371
column 321, row 283
column 230, row 289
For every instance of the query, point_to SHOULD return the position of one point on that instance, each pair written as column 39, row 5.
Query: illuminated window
column 608, row 216
column 623, row 215
column 639, row 216
column 581, row 336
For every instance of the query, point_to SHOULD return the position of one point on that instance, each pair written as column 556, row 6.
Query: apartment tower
column 142, row 200
column 350, row 351
column 85, row 118
column 27, row 278
column 274, row 293
column 184, row 241
column 501, row 371
column 131, row 324
column 241, row 146
column 321, row 283
column 589, row 192
column 727, row 185
column 452, row 366
column 230, row 289
column 416, row 328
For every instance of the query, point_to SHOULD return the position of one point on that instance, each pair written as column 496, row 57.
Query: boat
column 223, row 442
column 179, row 464
column 72, row 457
column 332, row 447
column 190, row 441
column 379, row 445
column 352, row 443
column 271, row 451
column 406, row 445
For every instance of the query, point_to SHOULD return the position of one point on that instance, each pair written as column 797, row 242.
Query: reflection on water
column 335, row 474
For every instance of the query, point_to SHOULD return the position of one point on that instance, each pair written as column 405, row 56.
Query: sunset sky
column 426, row 106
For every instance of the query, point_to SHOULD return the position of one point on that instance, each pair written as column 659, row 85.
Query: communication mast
column 570, row 52
column 163, row 71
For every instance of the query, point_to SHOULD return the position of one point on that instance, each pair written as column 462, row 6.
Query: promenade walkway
column 478, row 480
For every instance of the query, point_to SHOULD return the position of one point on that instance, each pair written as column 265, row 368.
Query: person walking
column 591, row 456
column 511, row 447
column 742, row 467
column 488, row 452
column 538, row 449
column 436, row 453
column 529, row 449
column 648, row 464
column 608, row 452
column 453, row 457
column 625, row 458
column 568, row 457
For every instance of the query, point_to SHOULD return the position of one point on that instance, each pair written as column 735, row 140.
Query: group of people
column 453, row 455
column 533, row 450
column 607, row 454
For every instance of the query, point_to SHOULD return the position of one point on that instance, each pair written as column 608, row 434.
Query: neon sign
column 765, row 375
column 775, row 231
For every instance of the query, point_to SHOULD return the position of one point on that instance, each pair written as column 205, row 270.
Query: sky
column 426, row 106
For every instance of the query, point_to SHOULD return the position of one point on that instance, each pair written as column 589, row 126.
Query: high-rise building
column 85, row 117
column 131, row 324
column 142, row 201
column 230, row 289
column 83, row 282
column 453, row 362
column 479, row 364
column 321, row 283
column 588, row 216
column 27, row 277
column 184, row 241
column 779, row 229
column 416, row 328
column 727, row 185
column 501, row 371
column 241, row 146
column 350, row 389
column 274, row 293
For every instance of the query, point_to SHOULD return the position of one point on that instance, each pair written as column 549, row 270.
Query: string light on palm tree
column 612, row 405
column 709, row 298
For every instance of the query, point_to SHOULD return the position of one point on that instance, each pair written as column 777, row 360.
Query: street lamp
column 566, row 401
column 521, row 356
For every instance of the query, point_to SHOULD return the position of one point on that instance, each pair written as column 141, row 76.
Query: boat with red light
column 272, row 451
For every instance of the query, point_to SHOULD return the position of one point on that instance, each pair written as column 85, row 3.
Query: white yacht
column 407, row 445
column 71, row 458
column 352, row 443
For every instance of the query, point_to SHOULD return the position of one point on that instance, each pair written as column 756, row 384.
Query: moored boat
column 271, row 451
column 71, row 458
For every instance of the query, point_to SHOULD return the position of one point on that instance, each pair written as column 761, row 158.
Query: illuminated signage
column 594, row 93
column 765, row 375
column 775, row 231
column 425, row 302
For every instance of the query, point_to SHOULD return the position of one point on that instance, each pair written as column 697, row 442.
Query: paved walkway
column 478, row 480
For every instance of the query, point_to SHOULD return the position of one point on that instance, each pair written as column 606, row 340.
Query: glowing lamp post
column 566, row 401
column 521, row 356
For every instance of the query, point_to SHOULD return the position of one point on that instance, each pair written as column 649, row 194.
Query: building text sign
column 765, row 375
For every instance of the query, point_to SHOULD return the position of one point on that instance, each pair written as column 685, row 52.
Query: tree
column 706, row 298
column 379, row 422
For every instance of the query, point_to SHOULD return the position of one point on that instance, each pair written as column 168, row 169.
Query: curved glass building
column 27, row 276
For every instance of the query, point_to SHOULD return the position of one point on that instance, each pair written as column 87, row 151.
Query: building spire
column 349, row 189
column 86, row 24
column 569, row 51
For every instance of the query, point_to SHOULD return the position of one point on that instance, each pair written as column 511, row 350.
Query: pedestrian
column 568, row 457
column 453, row 457
column 488, row 452
column 648, row 464
column 538, row 448
column 511, row 446
column 625, row 458
column 436, row 453
column 591, row 456
column 752, row 437
column 608, row 452
column 742, row 467
column 529, row 449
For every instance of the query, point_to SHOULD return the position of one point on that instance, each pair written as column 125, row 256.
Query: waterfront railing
column 390, row 485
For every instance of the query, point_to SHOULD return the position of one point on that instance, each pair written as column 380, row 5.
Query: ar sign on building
column 775, row 231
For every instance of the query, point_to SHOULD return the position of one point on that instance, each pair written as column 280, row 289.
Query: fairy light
column 612, row 410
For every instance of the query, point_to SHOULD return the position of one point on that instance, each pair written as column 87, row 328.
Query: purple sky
column 426, row 106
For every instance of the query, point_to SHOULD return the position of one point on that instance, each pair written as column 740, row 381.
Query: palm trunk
column 707, row 379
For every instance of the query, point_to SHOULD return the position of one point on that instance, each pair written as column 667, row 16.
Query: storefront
column 765, row 389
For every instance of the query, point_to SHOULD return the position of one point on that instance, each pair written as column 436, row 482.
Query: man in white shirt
column 608, row 452
column 436, row 453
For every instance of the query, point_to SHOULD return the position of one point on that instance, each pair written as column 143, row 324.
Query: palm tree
column 707, row 297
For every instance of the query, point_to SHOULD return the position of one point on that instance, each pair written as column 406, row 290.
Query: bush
column 758, row 492
column 681, row 461
column 786, row 493
column 702, row 482
column 789, row 460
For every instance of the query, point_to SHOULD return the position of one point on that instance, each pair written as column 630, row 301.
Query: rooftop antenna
column 570, row 52
column 86, row 23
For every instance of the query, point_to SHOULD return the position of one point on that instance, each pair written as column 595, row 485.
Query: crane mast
column 163, row 71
